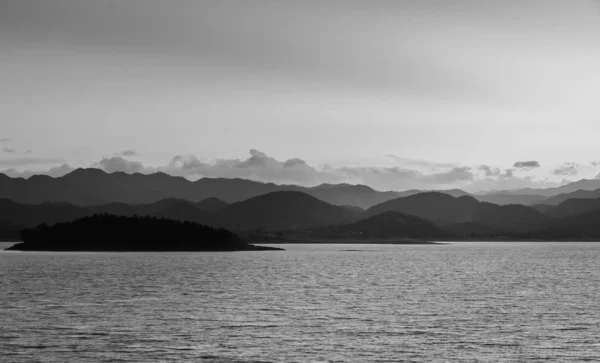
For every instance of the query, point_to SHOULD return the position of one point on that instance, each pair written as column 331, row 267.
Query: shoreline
column 21, row 246
column 354, row 241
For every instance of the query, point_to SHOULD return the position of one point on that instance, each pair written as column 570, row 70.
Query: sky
column 430, row 94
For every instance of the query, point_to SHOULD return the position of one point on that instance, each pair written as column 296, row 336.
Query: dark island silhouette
column 104, row 232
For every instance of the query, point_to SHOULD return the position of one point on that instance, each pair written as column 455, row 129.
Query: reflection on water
column 491, row 302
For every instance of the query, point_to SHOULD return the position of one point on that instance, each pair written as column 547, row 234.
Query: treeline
column 117, row 233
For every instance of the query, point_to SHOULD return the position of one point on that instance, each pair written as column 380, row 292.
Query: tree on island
column 104, row 232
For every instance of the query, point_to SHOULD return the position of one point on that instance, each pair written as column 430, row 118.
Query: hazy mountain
column 510, row 218
column 544, row 208
column 85, row 187
column 187, row 212
column 505, row 199
column 283, row 210
column 384, row 225
column 9, row 231
column 345, row 194
column 453, row 192
column 211, row 205
column 573, row 207
column 583, row 184
column 470, row 230
column 585, row 225
column 28, row 215
column 170, row 208
column 443, row 209
column 578, row 194
column 440, row 208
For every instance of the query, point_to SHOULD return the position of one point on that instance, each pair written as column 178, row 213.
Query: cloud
column 117, row 163
column 489, row 171
column 567, row 169
column 259, row 166
column 526, row 164
column 54, row 172
column 15, row 151
column 419, row 162
column 60, row 170
column 5, row 139
column 397, row 178
column 128, row 153
column 29, row 161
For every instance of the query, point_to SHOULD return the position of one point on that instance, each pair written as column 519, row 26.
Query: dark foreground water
column 471, row 302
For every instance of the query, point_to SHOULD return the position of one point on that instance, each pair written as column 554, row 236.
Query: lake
column 484, row 302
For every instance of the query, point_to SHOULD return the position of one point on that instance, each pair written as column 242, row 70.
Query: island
column 105, row 232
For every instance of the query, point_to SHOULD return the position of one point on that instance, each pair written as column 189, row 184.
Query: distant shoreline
column 21, row 246
column 392, row 241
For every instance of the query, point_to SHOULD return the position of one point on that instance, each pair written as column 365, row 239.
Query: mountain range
column 297, row 215
column 89, row 187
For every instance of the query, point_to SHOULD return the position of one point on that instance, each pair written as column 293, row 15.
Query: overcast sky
column 396, row 94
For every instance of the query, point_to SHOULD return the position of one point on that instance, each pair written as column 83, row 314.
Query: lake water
column 462, row 302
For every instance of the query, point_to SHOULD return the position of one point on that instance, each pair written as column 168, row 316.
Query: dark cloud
column 489, row 171
column 293, row 162
column 567, row 169
column 531, row 164
column 457, row 174
column 117, row 163
column 186, row 162
column 128, row 153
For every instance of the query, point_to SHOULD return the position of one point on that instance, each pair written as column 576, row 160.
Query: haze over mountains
column 264, row 210
column 86, row 187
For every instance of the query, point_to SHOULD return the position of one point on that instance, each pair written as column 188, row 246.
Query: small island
column 104, row 232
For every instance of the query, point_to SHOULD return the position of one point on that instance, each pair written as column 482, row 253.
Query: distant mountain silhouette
column 382, row 226
column 453, row 192
column 28, row 215
column 211, row 205
column 9, row 231
column 510, row 218
column 572, row 207
column 578, row 194
column 86, row 187
column 185, row 211
column 272, row 211
column 580, row 226
column 436, row 207
column 505, row 199
column 345, row 194
column 443, row 210
column 583, row 184
column 282, row 211
column 469, row 230
column 103, row 232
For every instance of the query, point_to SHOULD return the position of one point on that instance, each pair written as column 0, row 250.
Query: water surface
column 490, row 302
